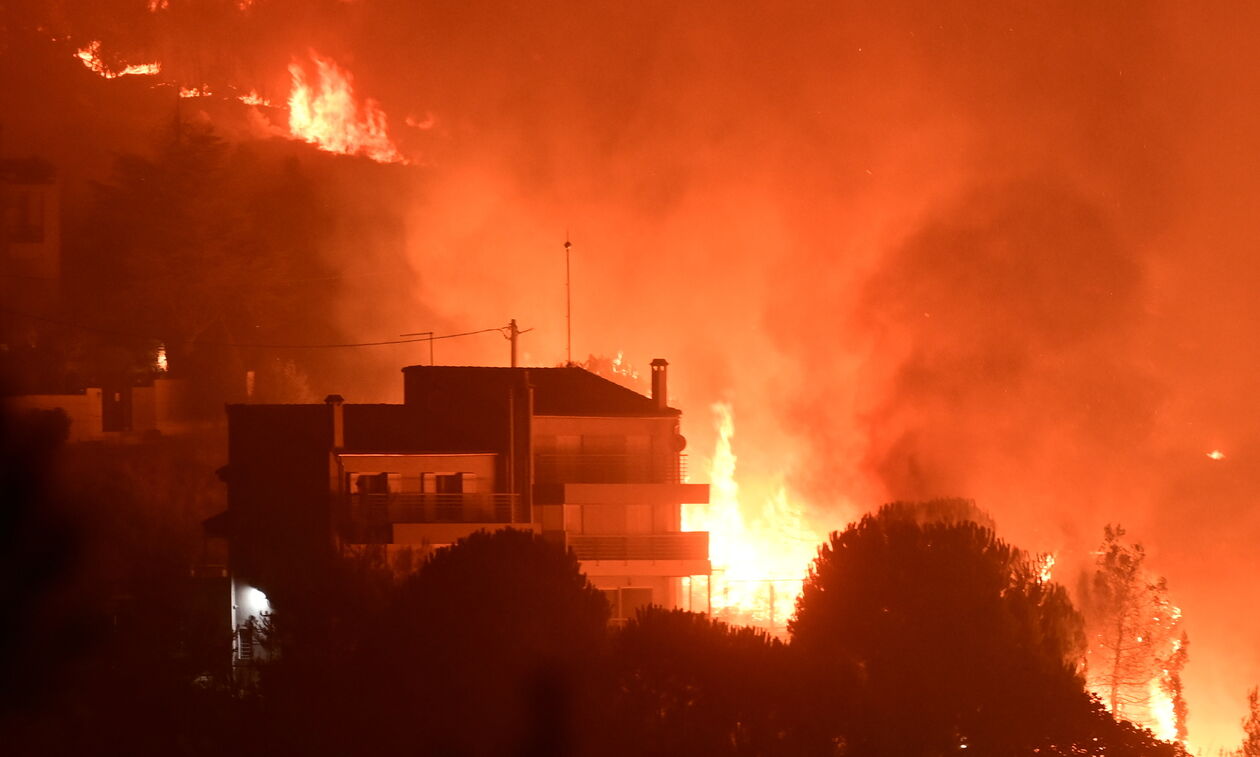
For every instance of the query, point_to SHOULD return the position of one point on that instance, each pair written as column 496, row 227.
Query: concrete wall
column 154, row 407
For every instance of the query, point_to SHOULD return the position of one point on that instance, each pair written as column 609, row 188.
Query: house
column 30, row 272
column 121, row 413
column 562, row 452
column 30, row 242
column 33, row 351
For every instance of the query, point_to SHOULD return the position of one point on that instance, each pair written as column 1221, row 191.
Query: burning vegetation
column 325, row 112
column 91, row 59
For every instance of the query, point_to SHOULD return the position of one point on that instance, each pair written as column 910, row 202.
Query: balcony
column 610, row 469
column 685, row 545
column 406, row 507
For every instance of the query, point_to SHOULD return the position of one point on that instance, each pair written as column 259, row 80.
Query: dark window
column 449, row 483
column 372, row 483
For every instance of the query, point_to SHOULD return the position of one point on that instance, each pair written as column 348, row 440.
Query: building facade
column 582, row 461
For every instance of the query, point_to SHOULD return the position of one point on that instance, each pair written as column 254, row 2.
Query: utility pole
column 568, row 301
column 512, row 333
column 428, row 334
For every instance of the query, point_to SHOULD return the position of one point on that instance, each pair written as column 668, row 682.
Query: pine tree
column 1136, row 654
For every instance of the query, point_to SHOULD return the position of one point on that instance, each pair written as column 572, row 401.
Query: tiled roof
column 557, row 391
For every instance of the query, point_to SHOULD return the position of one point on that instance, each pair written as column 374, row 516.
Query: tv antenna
column 568, row 303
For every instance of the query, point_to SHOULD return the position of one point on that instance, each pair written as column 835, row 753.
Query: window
column 370, row 483
column 449, row 483
column 444, row 483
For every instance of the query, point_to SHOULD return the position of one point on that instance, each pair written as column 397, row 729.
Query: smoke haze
column 1001, row 251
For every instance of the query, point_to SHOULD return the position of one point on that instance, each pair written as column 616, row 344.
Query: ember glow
column 325, row 112
column 90, row 56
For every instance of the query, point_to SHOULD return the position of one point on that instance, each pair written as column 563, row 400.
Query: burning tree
column 1135, row 653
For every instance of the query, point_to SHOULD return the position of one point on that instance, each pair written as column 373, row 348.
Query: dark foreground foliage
column 918, row 632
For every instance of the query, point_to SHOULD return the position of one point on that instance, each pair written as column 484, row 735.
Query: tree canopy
column 196, row 246
column 954, row 638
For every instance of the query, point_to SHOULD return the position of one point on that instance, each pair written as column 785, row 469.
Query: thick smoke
column 924, row 249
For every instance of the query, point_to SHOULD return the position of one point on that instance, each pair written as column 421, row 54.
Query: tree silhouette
column 954, row 639
column 1251, row 726
column 490, row 648
column 197, row 245
column 688, row 685
column 517, row 625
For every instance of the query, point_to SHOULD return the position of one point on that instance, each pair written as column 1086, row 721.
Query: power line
column 269, row 283
column 242, row 345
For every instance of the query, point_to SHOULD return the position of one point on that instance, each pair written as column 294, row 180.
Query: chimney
column 660, row 392
column 337, row 403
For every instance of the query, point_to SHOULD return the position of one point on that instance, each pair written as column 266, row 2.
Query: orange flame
column 90, row 55
column 325, row 113
column 1163, row 711
column 1157, row 712
column 253, row 98
column 1045, row 567
column 759, row 562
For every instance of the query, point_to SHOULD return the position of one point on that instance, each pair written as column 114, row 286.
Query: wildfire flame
column 1163, row 722
column 322, row 111
column 253, row 98
column 759, row 563
column 1158, row 711
column 1045, row 567
column 325, row 113
column 1216, row 454
column 620, row 366
column 90, row 55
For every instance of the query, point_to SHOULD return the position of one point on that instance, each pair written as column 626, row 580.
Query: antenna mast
column 568, row 304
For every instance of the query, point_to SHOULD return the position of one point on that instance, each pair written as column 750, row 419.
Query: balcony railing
column 610, row 469
column 686, row 545
column 405, row 507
